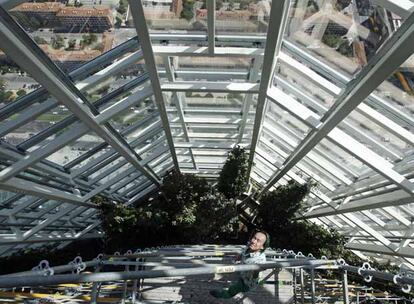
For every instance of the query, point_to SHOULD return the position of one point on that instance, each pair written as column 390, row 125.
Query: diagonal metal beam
column 15, row 42
column 275, row 30
column 393, row 53
column 140, row 22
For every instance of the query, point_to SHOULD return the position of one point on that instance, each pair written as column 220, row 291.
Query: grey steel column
column 135, row 285
column 302, row 287
column 345, row 286
column 124, row 294
column 211, row 28
column 277, row 23
column 94, row 292
column 294, row 285
column 312, row 275
column 140, row 22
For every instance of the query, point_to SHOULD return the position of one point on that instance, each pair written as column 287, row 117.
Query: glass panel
column 241, row 16
column 211, row 69
column 37, row 124
column 70, row 34
column 96, row 87
column 396, row 96
column 179, row 15
column 346, row 34
column 75, row 149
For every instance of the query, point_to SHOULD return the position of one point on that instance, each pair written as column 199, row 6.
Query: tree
column 244, row 4
column 21, row 92
column 88, row 39
column 118, row 22
column 122, row 8
column 216, row 218
column 8, row 96
column 71, row 45
column 277, row 213
column 57, row 42
column 188, row 12
column 39, row 40
column 233, row 177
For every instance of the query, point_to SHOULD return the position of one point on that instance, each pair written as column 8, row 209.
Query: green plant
column 233, row 177
column 187, row 12
column 21, row 92
column 39, row 40
column 57, row 42
column 123, row 4
column 71, row 45
column 276, row 214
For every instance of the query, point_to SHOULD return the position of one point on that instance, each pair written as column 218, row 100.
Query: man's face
column 257, row 241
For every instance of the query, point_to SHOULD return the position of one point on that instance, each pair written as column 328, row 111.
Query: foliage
column 233, row 177
column 71, row 45
column 244, row 4
column 118, row 22
column 57, row 42
column 186, row 210
column 6, row 96
column 21, row 92
column 123, row 5
column 187, row 12
column 88, row 39
column 39, row 40
column 276, row 214
column 216, row 217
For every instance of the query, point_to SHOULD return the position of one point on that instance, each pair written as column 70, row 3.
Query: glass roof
column 104, row 97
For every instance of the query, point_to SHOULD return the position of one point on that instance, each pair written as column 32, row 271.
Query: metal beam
column 276, row 28
column 204, row 86
column 197, row 51
column 253, row 77
column 14, row 41
column 407, row 252
column 140, row 22
column 23, row 186
column 179, row 99
column 211, row 26
column 393, row 53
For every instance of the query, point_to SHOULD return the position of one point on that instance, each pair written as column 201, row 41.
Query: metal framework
column 139, row 267
column 314, row 94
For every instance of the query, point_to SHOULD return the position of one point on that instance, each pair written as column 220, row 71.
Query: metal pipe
column 56, row 269
column 166, row 253
column 294, row 285
column 302, row 287
column 135, row 284
column 312, row 277
column 379, row 275
column 19, row 281
column 124, row 293
column 94, row 292
column 345, row 286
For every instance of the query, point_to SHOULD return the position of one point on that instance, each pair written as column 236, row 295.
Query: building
column 240, row 15
column 91, row 19
column 55, row 14
column 34, row 15
column 69, row 60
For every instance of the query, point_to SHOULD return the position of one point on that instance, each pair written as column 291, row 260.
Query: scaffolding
column 124, row 275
